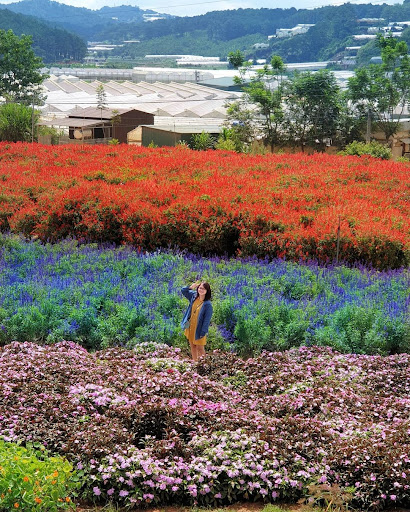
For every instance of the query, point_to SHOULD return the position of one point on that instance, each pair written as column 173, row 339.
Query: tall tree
column 20, row 69
column 265, row 91
column 101, row 98
column 383, row 90
column 313, row 107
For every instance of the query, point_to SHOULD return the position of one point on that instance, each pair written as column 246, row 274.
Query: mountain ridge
column 218, row 32
column 50, row 43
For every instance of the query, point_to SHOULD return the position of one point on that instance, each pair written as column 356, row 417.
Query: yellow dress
column 190, row 331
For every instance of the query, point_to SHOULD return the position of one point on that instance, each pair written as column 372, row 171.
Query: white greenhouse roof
column 162, row 99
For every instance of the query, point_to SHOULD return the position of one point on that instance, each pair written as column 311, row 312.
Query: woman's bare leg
column 200, row 351
column 194, row 352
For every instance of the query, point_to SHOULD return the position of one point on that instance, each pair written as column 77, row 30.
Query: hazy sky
column 192, row 8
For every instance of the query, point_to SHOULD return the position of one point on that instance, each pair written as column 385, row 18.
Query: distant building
column 368, row 21
column 260, row 46
column 94, row 125
column 153, row 16
column 301, row 28
column 364, row 37
column 188, row 60
column 171, row 134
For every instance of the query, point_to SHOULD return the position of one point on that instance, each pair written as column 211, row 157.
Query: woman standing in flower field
column 197, row 317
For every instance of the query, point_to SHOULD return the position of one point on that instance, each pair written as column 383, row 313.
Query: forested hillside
column 50, row 43
column 87, row 23
column 217, row 33
column 213, row 34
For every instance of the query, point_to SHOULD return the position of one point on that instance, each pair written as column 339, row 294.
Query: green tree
column 350, row 126
column 265, row 90
column 313, row 108
column 236, row 59
column 240, row 123
column 17, row 122
column 383, row 89
column 101, row 98
column 20, row 69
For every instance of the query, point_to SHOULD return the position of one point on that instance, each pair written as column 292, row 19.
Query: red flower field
column 211, row 202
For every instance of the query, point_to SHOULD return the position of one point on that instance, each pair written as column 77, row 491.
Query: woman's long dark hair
column 207, row 287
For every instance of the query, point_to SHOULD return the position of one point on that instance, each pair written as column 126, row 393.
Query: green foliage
column 226, row 144
column 101, row 97
column 252, row 335
column 20, row 68
column 360, row 330
column 333, row 27
column 50, row 130
column 332, row 496
column 102, row 298
column 202, row 141
column 265, row 91
column 403, row 160
column 383, row 89
column 366, row 52
column 192, row 41
column 16, row 122
column 316, row 110
column 313, row 100
column 236, row 59
column 50, row 43
column 240, row 126
column 228, row 140
column 32, row 480
column 215, row 340
column 237, row 381
column 372, row 148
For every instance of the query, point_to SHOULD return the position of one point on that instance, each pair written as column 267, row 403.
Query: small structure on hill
column 170, row 135
column 93, row 125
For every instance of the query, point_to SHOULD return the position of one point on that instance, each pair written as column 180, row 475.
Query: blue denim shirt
column 204, row 317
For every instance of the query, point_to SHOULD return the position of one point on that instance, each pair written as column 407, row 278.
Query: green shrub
column 215, row 340
column 363, row 331
column 372, row 148
column 252, row 335
column 202, row 141
column 31, row 480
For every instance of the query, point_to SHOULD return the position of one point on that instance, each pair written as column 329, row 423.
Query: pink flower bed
column 148, row 426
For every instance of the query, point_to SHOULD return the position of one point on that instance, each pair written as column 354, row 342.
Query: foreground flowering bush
column 215, row 432
column 101, row 296
column 31, row 480
column 209, row 202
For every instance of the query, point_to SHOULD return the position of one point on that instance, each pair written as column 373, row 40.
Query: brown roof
column 73, row 122
column 97, row 113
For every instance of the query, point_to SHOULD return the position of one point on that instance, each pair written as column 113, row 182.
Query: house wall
column 159, row 137
column 129, row 121
column 398, row 147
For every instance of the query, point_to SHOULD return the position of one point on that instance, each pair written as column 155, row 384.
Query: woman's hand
column 195, row 285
